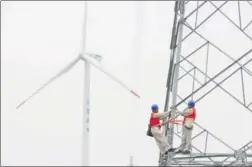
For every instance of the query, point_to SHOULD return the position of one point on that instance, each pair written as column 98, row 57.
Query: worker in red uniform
column 155, row 125
column 189, row 117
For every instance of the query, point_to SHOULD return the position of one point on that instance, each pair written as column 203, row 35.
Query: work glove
column 178, row 113
column 169, row 116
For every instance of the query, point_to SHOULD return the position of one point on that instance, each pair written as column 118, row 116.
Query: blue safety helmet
column 191, row 103
column 154, row 107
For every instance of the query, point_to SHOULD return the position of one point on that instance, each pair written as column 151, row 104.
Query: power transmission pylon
column 187, row 56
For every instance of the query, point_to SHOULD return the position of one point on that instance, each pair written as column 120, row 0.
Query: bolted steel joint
column 240, row 155
column 219, row 164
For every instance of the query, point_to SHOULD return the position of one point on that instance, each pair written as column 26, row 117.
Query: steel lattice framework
column 189, row 17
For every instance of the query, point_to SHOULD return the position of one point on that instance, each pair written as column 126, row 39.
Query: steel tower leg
column 173, row 73
column 176, row 75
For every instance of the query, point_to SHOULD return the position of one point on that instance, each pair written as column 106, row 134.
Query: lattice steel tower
column 211, row 44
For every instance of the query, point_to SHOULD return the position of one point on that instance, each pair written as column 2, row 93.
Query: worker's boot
column 165, row 153
column 171, row 149
column 179, row 151
column 187, row 152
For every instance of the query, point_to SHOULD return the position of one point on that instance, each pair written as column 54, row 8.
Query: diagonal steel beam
column 194, row 148
column 214, row 88
column 193, row 52
column 204, row 21
column 249, row 3
column 225, row 160
column 217, row 138
column 247, row 26
column 197, row 49
column 242, row 67
column 185, row 73
column 218, row 74
column 243, row 104
column 195, row 156
column 243, row 89
column 195, row 10
column 208, row 93
column 223, row 81
column 249, row 104
column 246, row 146
column 214, row 155
column 231, row 21
column 216, row 47
column 209, row 133
column 199, row 134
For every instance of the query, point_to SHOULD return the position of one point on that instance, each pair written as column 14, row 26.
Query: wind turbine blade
column 102, row 69
column 63, row 71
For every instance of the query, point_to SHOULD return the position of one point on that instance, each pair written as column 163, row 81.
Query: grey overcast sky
column 40, row 38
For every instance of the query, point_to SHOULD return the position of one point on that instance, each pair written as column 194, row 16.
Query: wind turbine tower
column 88, row 59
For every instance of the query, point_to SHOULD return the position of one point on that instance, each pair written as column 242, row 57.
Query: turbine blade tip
column 134, row 93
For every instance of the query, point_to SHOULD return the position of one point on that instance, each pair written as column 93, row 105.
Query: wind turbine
column 88, row 59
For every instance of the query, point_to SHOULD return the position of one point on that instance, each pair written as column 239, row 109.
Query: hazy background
column 40, row 38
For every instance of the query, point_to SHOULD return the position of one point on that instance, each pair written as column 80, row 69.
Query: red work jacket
column 193, row 115
column 154, row 121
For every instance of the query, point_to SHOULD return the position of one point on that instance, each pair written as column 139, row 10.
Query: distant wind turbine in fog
column 88, row 59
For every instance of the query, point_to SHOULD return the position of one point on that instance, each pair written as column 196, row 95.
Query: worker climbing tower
column 211, row 63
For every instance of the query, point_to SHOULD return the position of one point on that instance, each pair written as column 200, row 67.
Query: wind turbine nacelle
column 94, row 56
